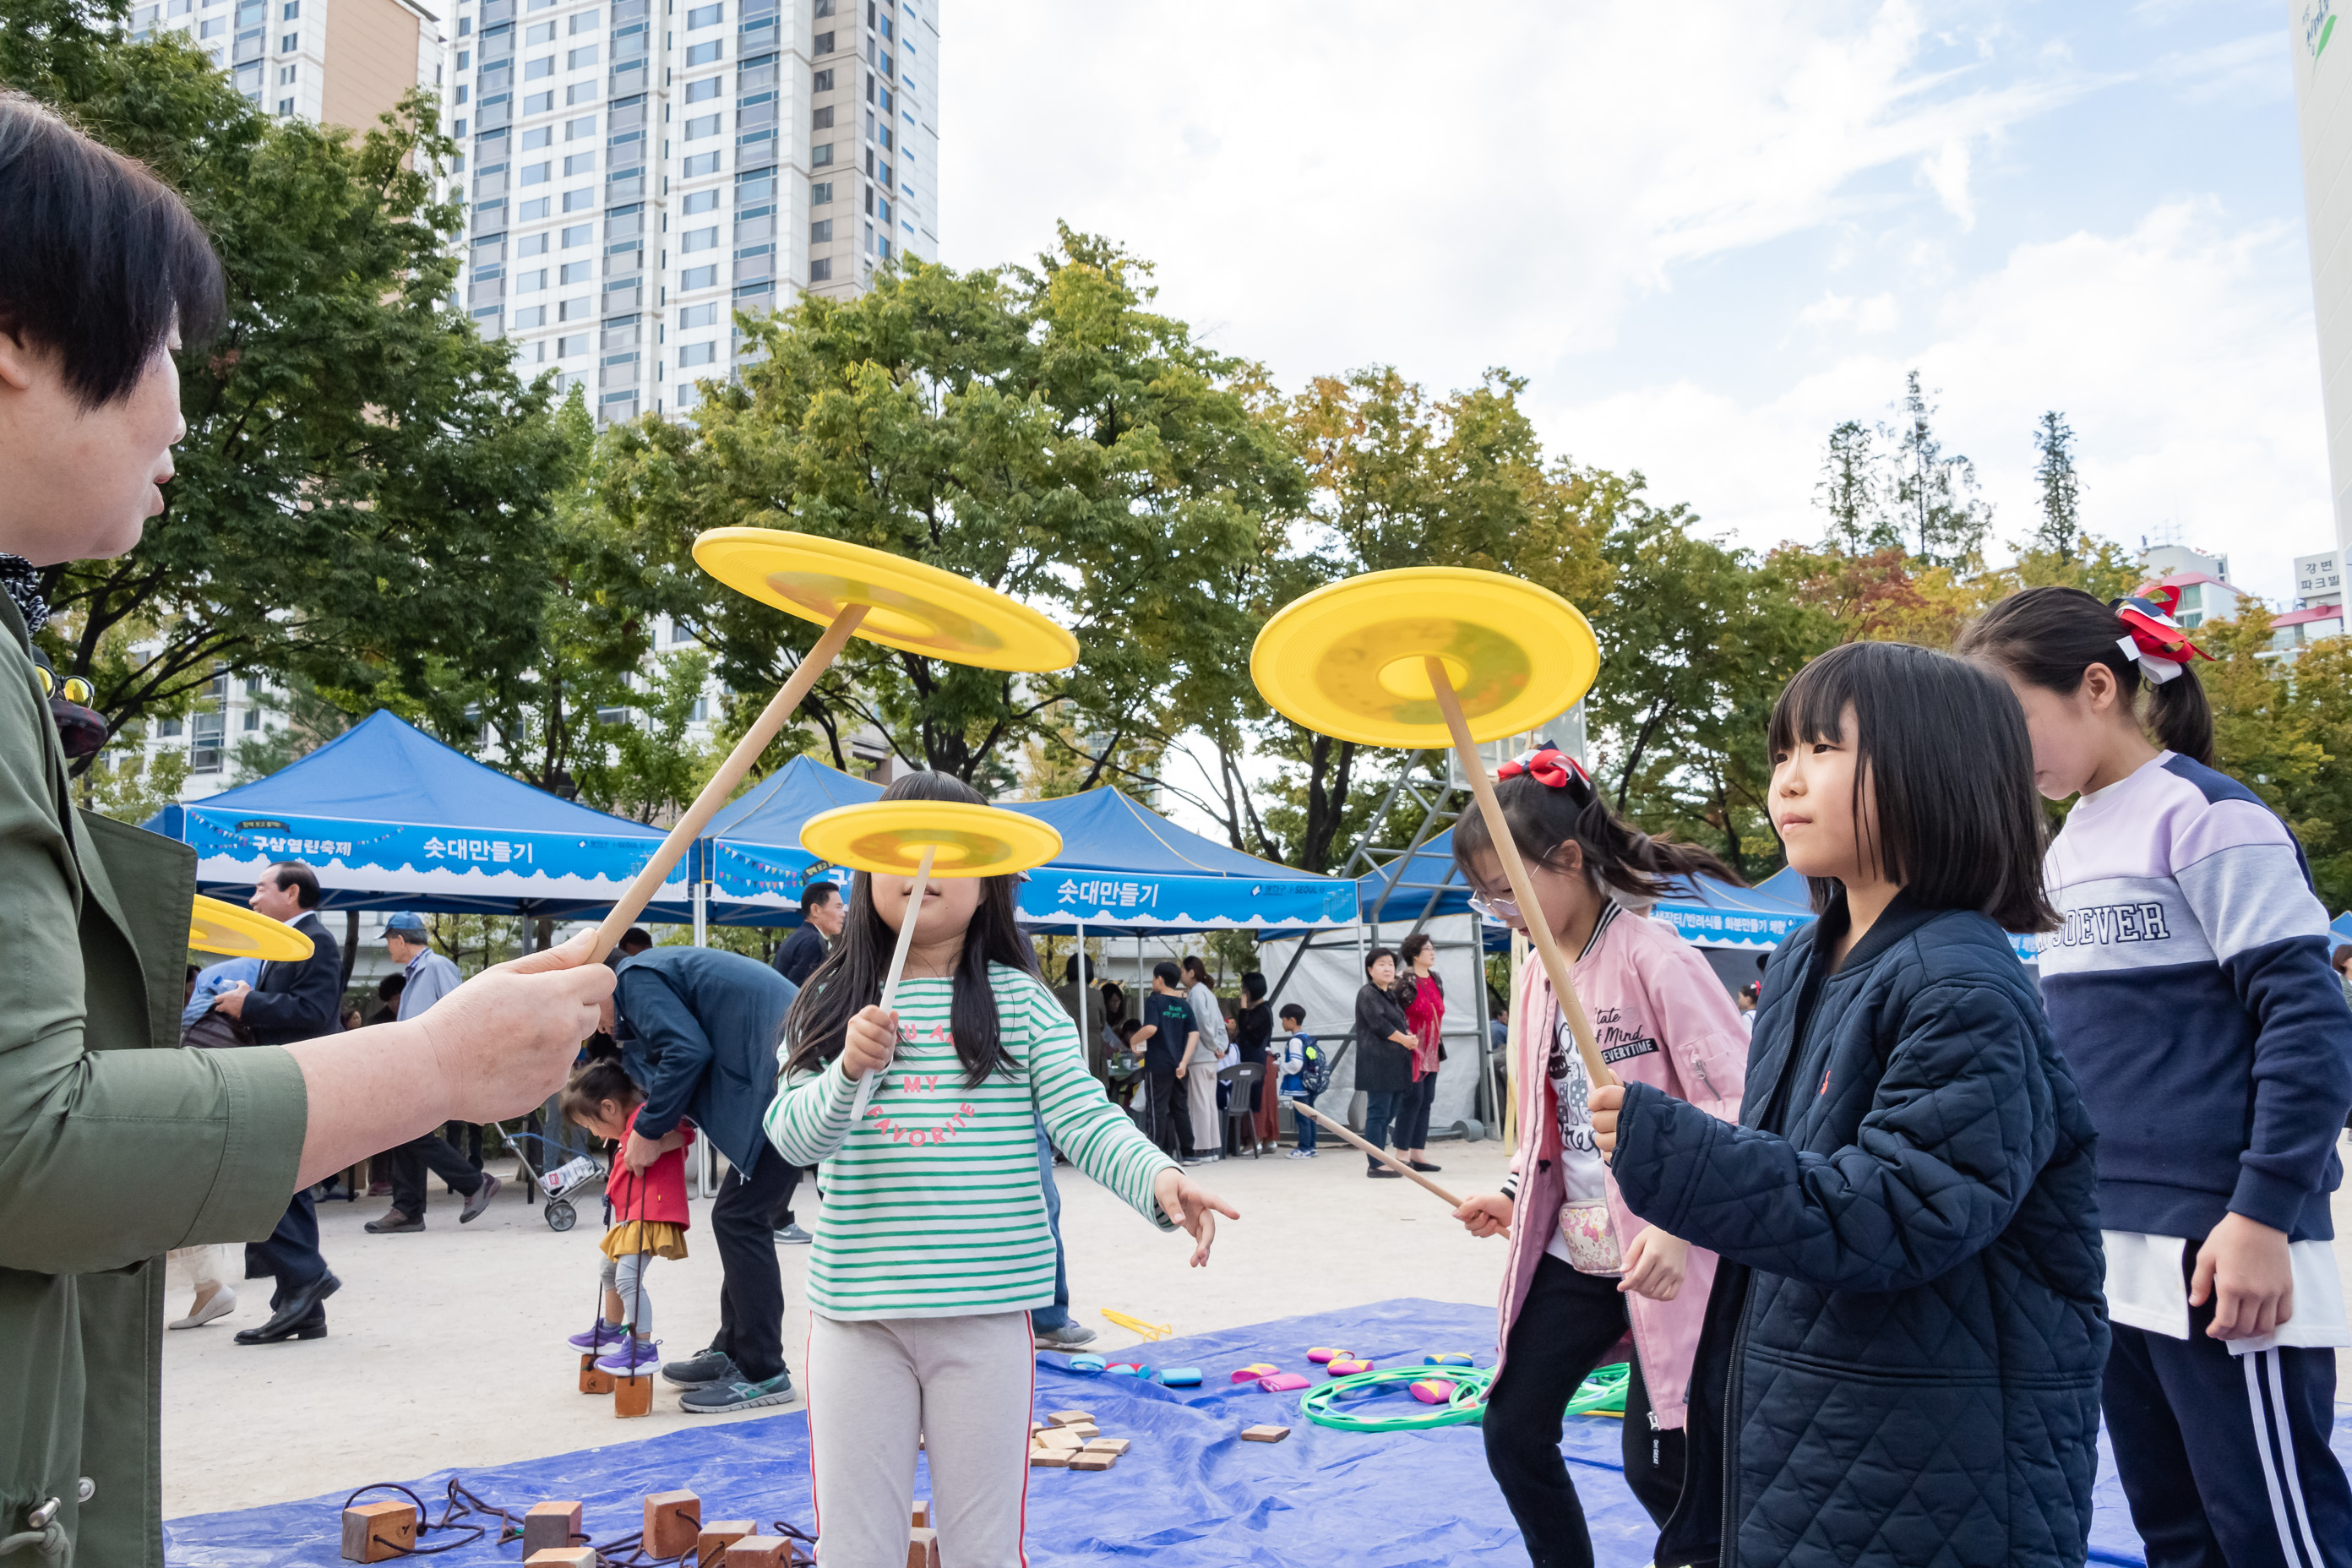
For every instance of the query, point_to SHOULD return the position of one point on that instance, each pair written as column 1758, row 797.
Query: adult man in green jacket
column 114, row 1147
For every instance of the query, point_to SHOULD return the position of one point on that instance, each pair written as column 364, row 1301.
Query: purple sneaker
column 632, row 1358
column 600, row 1339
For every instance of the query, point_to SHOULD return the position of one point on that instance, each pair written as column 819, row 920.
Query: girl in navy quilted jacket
column 1901, row 1358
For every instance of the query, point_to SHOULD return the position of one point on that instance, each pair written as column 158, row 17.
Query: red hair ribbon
column 2153, row 639
column 1547, row 765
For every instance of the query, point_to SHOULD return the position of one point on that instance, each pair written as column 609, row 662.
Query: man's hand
column 640, row 1151
column 869, row 1043
column 504, row 1041
column 2245, row 1265
column 231, row 1001
column 1489, row 1214
column 1192, row 1206
column 1606, row 1102
column 1654, row 1265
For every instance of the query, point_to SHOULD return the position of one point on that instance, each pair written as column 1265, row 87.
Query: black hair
column 1168, row 973
column 1254, row 986
column 1126, row 1027
column 1616, row 855
column 817, row 895
column 390, row 986
column 99, row 259
column 2050, row 637
column 850, row 978
column 1293, row 1010
column 1941, row 745
column 634, row 940
column 1375, row 956
column 297, row 876
column 589, row 1087
column 1070, row 969
column 1410, row 948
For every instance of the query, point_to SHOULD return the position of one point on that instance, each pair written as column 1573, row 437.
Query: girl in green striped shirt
column 933, row 1244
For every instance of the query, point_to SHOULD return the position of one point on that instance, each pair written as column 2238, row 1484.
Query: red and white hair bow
column 2152, row 638
column 1548, row 766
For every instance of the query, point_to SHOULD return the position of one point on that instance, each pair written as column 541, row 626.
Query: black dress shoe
column 294, row 1317
column 1423, row 1165
column 313, row 1327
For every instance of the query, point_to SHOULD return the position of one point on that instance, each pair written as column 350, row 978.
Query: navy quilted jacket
column 1907, row 1365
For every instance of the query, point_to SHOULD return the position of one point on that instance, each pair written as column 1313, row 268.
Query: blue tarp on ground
column 1191, row 1493
column 392, row 819
column 1124, row 868
column 752, row 846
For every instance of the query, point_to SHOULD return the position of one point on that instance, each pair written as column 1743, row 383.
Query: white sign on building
column 2319, row 579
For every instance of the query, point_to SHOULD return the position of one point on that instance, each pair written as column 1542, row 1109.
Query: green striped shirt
column 932, row 1204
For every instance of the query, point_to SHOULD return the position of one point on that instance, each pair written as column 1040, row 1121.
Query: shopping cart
column 558, row 1183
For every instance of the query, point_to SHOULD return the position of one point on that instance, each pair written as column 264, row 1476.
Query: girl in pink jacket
column 1661, row 1017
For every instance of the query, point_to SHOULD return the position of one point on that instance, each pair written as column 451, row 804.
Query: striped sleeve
column 808, row 1121
column 1097, row 1136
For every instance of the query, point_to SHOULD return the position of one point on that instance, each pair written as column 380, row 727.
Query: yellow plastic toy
column 920, row 839
column 225, row 929
column 1435, row 655
column 1138, row 1326
column 851, row 591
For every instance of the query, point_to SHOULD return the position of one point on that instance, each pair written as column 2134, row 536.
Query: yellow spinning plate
column 889, row 838
column 225, row 929
column 909, row 606
column 1347, row 660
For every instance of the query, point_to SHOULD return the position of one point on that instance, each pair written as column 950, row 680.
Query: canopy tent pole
column 1082, row 987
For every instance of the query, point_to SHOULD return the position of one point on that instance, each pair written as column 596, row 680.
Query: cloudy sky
column 1707, row 232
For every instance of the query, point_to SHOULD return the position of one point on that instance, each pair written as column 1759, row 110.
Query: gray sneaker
column 720, row 1398
column 1069, row 1337
column 700, row 1370
column 480, row 1200
column 792, row 1235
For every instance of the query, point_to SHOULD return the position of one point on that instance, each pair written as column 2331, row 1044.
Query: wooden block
column 760, row 1552
column 377, row 1531
column 552, row 1524
column 563, row 1557
column 711, row 1541
column 1264, row 1434
column 1085, row 1461
column 1069, row 1418
column 672, row 1522
column 633, row 1395
column 1114, row 1447
column 922, row 1549
column 1058, row 1437
column 922, row 1514
column 594, row 1379
column 1086, row 1431
column 1049, row 1458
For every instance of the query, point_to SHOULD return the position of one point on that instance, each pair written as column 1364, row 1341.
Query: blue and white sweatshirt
column 2189, row 992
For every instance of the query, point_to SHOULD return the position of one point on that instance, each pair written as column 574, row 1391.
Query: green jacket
column 111, row 1151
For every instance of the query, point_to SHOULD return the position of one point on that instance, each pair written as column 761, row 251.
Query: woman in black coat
column 1384, row 1047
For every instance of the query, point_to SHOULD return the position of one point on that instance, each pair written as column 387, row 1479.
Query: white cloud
column 1878, row 313
column 1946, row 170
column 2181, row 351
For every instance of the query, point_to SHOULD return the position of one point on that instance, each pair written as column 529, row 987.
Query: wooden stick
column 1383, row 1155
column 647, row 882
column 897, row 967
column 1515, row 869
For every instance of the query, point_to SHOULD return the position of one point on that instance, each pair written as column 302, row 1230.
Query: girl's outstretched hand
column 1192, row 1206
column 1654, row 1265
column 869, row 1043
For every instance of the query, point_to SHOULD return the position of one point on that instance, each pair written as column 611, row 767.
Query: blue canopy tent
column 752, row 851
column 2341, row 926
column 391, row 818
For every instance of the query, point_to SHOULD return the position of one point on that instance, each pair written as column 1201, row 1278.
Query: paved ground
column 445, row 1348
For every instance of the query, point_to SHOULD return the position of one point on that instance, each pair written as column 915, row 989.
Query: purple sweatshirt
column 2189, row 991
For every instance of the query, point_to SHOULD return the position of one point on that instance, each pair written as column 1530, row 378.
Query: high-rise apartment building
column 637, row 170
column 337, row 62
column 2323, row 96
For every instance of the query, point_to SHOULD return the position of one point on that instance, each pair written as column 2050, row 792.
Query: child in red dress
column 649, row 1209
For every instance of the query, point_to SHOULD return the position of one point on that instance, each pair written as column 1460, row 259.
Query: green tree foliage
column 650, row 771
column 2060, row 532
column 1935, row 495
column 363, row 483
column 1040, row 431
column 1853, row 493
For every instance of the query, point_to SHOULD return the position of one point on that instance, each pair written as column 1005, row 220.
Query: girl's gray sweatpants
column 626, row 1277
column 964, row 1385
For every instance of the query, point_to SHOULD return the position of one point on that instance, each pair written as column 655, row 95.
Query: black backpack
column 1314, row 1069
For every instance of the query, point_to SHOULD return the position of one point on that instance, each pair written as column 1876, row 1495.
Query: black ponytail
column 2049, row 637
column 1616, row 855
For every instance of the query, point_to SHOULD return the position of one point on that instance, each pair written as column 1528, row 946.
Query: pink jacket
column 1661, row 1018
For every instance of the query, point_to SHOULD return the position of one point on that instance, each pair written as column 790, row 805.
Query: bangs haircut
column 99, row 259
column 1942, row 747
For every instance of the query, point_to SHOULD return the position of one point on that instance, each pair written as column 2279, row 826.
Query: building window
column 820, row 192
column 580, row 92
column 699, row 239
column 579, row 271
column 702, row 201
column 538, row 33
column 821, row 269
column 578, row 233
column 701, row 126
column 586, row 22
column 286, row 75
column 696, row 91
column 705, row 16
column 821, row 119
column 289, row 44
column 822, row 81
column 534, row 208
column 531, row 282
column 581, row 58
column 821, row 232
column 696, row 354
column 821, row 156
column 572, row 346
column 536, row 173
column 704, row 54
column 580, row 164
column 574, row 201
column 531, row 315
column 204, row 744
column 701, row 164
column 698, row 277
column 575, row 129
column 465, row 27
column 533, row 70
column 824, row 45
column 292, row 9
column 169, row 729
column 538, row 136
column 285, row 106
column 537, row 102
column 697, row 316
column 461, row 98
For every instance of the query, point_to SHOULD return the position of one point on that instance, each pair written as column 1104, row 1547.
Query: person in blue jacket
column 1902, row 1352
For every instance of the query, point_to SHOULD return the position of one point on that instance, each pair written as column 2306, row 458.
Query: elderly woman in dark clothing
column 1384, row 1049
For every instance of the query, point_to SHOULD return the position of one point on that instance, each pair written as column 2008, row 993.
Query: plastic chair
column 1240, row 1077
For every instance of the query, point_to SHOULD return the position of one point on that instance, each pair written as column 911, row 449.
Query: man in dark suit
column 297, row 1000
column 699, row 1028
column 821, row 912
